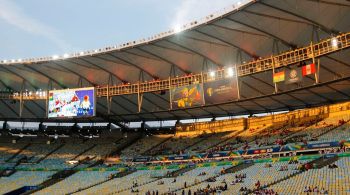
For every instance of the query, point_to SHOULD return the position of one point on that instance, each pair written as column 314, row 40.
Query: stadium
column 253, row 99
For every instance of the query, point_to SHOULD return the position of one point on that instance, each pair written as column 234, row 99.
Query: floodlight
column 230, row 72
column 177, row 29
column 212, row 74
column 334, row 42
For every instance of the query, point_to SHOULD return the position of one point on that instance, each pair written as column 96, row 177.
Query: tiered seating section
column 143, row 145
column 126, row 183
column 23, row 178
column 259, row 132
column 335, row 180
column 81, row 179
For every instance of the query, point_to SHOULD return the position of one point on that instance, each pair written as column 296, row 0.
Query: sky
column 37, row 28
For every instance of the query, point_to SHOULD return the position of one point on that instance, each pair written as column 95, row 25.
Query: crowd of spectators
column 315, row 189
column 209, row 190
column 239, row 178
column 332, row 166
column 152, row 193
column 264, row 192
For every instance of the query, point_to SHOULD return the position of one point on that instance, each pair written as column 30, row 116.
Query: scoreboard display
column 70, row 103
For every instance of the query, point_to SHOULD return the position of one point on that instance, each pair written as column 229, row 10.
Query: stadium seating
column 177, row 144
column 7, row 150
column 23, row 178
column 78, row 180
column 124, row 183
column 335, row 181
column 212, row 140
column 169, row 184
column 143, row 145
column 53, row 156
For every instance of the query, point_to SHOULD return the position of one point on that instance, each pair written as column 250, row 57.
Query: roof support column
column 110, row 79
column 275, row 47
column 49, row 87
column 273, row 73
column 170, row 99
column 315, row 36
column 205, row 67
column 80, row 82
column 172, row 71
column 314, row 62
column 237, row 83
column 109, row 101
column 139, row 97
column 109, row 98
column 21, row 101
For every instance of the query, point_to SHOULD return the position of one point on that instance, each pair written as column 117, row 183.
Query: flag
column 309, row 69
column 278, row 77
column 51, row 96
column 293, row 75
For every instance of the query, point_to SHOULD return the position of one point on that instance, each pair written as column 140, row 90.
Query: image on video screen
column 72, row 103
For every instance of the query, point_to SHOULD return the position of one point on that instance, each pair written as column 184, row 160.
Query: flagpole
column 237, row 83
column 314, row 62
column 273, row 73
column 170, row 99
column 318, row 69
column 202, row 85
column 47, row 103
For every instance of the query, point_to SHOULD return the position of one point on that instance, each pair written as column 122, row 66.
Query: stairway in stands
column 57, row 177
column 324, row 161
column 117, row 175
column 232, row 169
column 83, row 152
column 17, row 153
column 333, row 128
column 317, row 163
column 238, row 167
column 48, row 154
column 224, row 140
column 181, row 171
column 126, row 144
column 197, row 142
column 147, row 152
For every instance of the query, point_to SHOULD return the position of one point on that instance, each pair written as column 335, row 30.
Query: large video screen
column 72, row 103
column 187, row 96
column 220, row 91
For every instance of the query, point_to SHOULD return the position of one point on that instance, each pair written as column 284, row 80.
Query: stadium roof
column 252, row 30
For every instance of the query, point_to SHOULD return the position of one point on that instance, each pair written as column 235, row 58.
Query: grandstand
column 264, row 84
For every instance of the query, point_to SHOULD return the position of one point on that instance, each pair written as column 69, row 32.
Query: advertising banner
column 218, row 154
column 278, row 77
column 264, row 150
column 72, row 103
column 323, row 145
column 187, row 96
column 293, row 75
column 220, row 91
column 180, row 157
column 141, row 159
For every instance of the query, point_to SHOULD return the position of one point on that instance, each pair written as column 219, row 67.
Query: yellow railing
column 285, row 118
column 291, row 57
